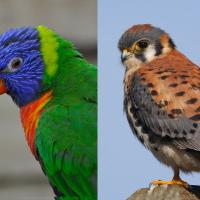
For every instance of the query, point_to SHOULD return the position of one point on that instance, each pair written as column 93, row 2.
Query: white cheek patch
column 149, row 53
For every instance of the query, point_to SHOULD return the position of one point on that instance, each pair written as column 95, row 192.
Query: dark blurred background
column 20, row 175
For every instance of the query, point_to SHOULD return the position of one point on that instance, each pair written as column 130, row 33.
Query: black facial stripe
column 171, row 43
column 158, row 48
column 141, row 57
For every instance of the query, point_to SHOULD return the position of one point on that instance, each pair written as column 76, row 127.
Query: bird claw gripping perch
column 172, row 182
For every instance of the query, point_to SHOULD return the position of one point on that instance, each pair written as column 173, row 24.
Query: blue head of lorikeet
column 21, row 64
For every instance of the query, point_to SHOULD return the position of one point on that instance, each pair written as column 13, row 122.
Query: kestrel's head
column 143, row 43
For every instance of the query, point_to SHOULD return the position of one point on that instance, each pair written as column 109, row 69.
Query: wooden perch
column 167, row 192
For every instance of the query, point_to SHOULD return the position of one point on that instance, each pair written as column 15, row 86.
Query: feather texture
column 156, row 95
column 56, row 90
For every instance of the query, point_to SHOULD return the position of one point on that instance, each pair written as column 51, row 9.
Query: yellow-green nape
column 48, row 48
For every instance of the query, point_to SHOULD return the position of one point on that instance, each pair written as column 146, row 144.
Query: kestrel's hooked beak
column 125, row 55
column 2, row 87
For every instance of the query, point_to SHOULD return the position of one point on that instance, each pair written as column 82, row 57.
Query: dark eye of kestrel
column 161, row 98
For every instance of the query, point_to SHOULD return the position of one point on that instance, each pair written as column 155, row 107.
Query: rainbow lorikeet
column 55, row 89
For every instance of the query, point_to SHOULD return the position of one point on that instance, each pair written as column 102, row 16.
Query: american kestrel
column 162, row 98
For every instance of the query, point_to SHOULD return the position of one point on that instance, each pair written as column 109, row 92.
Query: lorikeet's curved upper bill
column 56, row 91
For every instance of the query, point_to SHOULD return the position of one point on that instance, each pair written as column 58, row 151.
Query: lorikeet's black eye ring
column 14, row 64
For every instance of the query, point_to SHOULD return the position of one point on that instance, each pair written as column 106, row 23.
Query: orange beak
column 2, row 87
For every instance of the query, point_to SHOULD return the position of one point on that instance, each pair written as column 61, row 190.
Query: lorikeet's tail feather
column 81, row 189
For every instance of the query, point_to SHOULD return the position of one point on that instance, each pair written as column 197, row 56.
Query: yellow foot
column 173, row 182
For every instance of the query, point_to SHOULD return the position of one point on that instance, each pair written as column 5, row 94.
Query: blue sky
column 124, row 164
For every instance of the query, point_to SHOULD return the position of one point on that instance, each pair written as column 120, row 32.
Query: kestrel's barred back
column 161, row 97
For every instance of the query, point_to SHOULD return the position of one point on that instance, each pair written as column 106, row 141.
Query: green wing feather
column 66, row 136
column 66, row 141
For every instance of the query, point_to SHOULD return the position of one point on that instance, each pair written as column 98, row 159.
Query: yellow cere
column 48, row 49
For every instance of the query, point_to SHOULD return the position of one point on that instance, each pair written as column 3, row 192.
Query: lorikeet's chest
column 30, row 115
